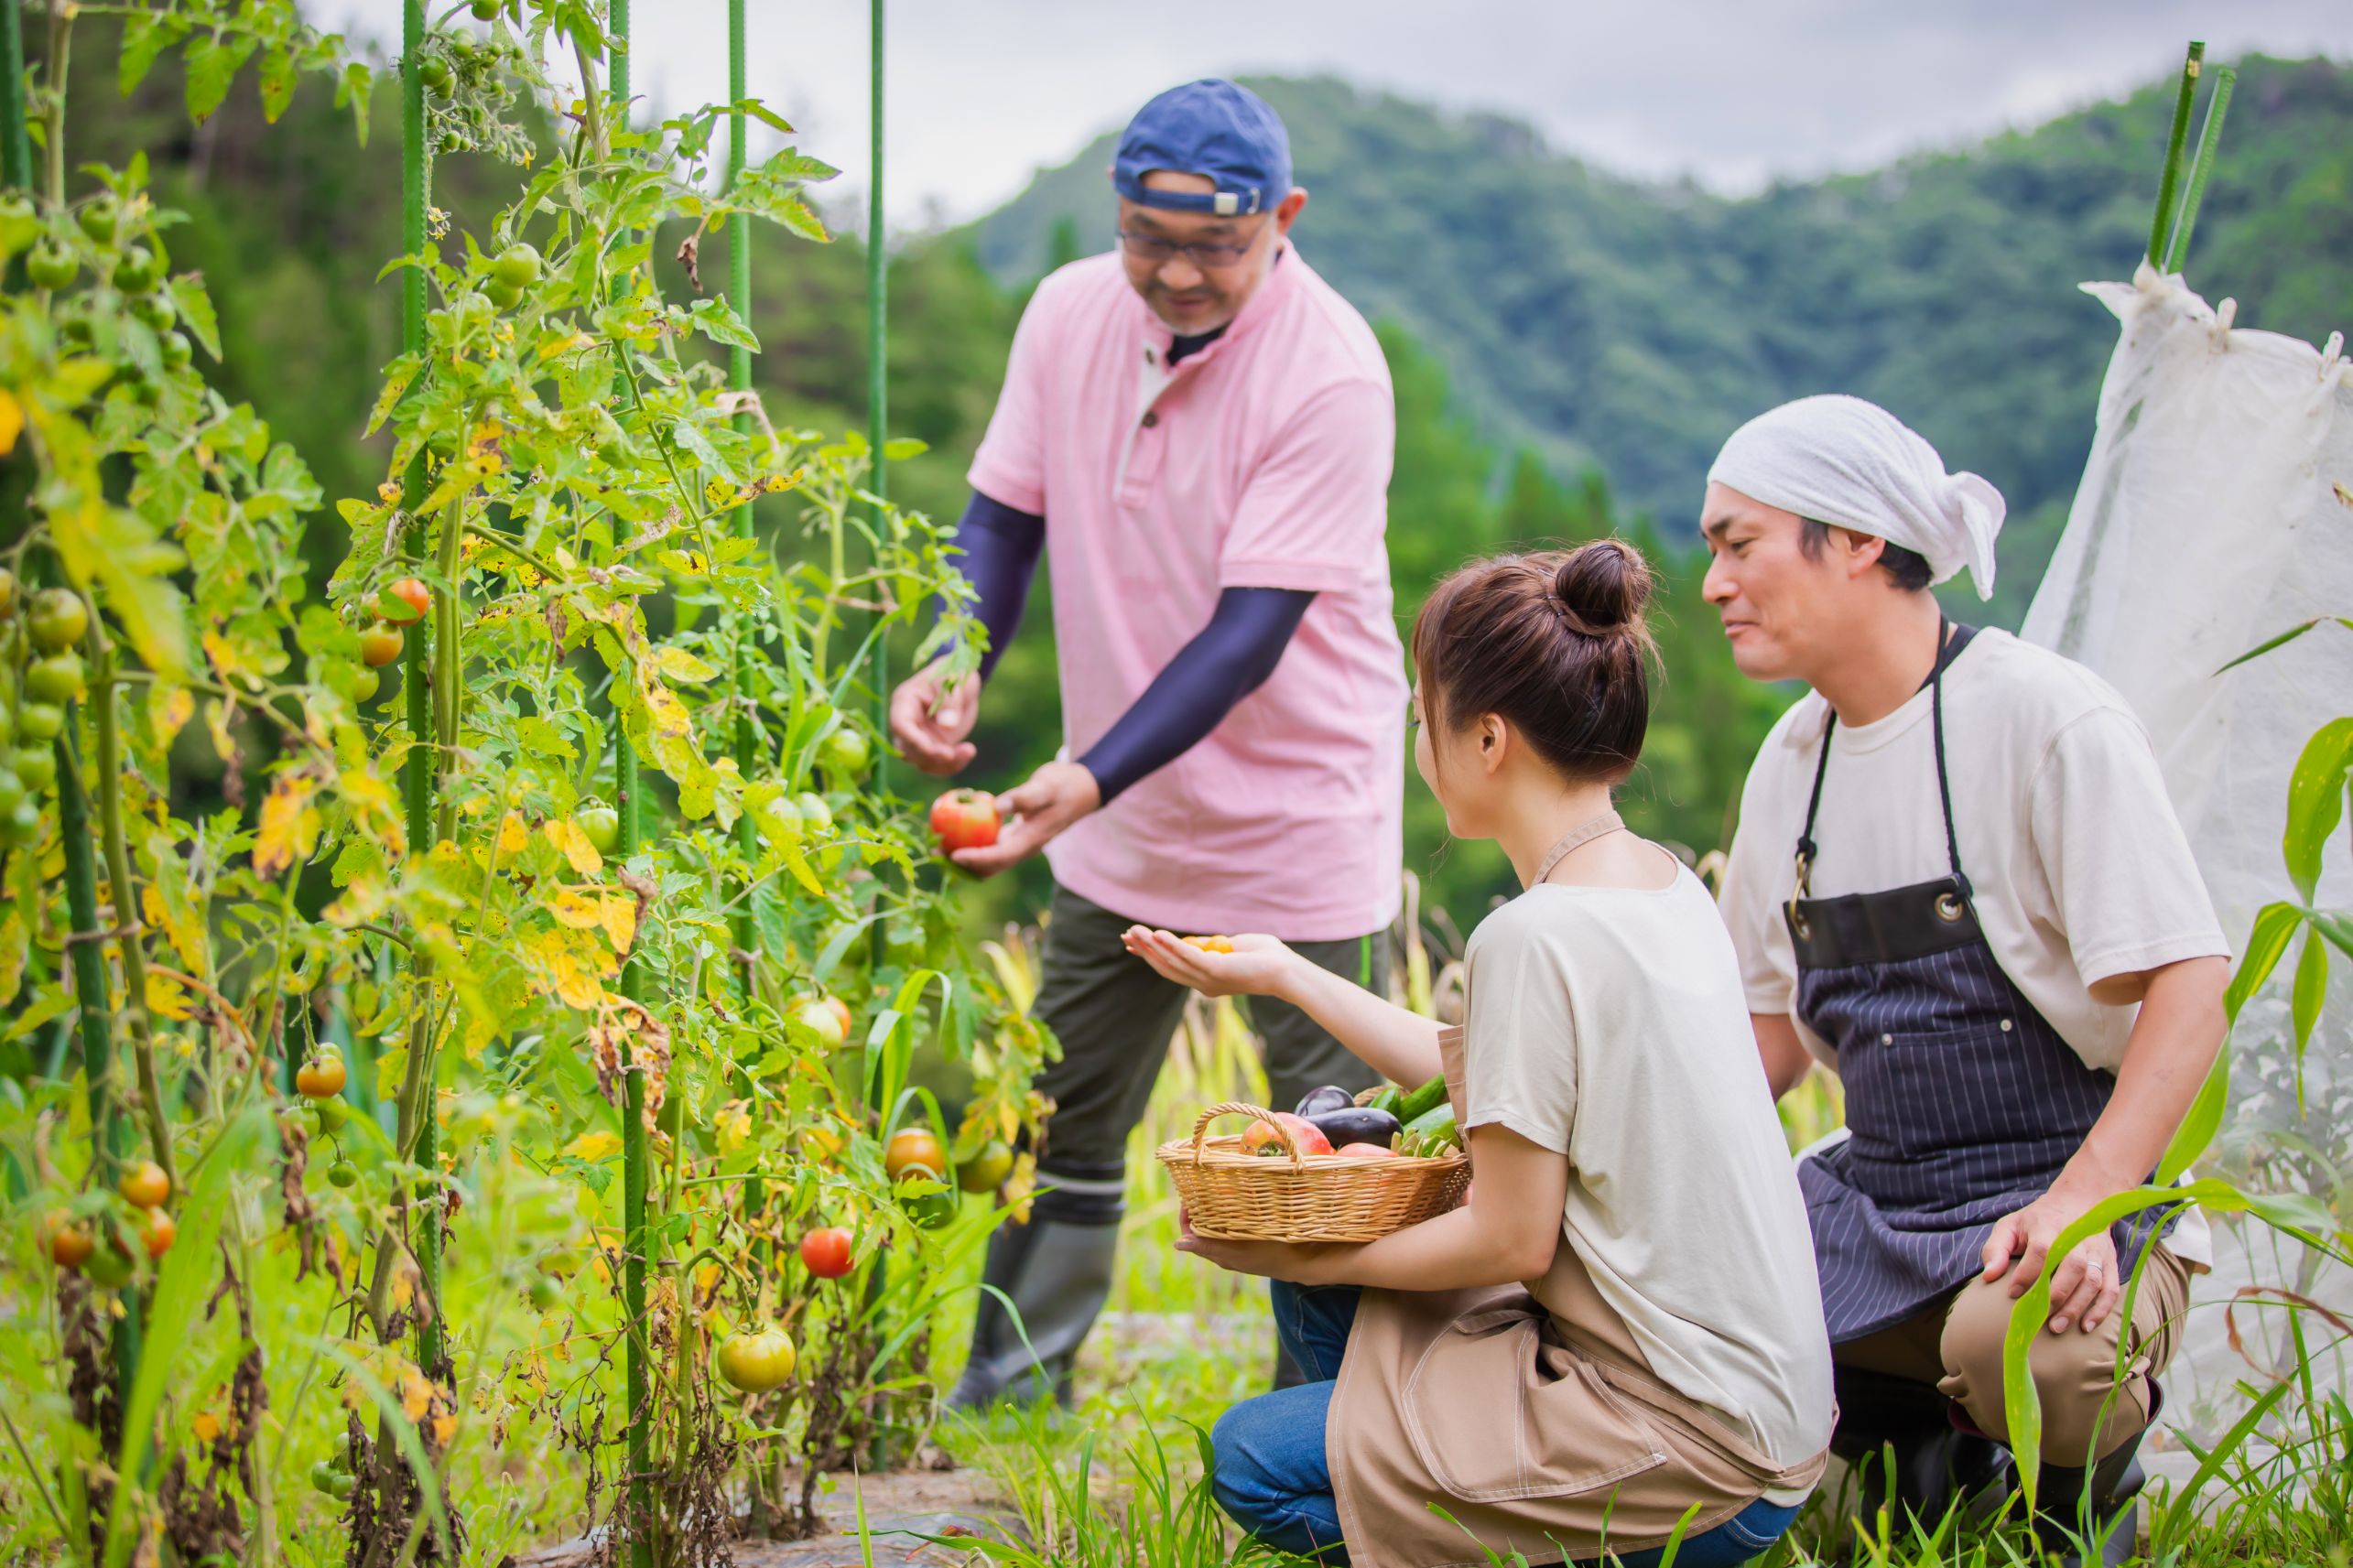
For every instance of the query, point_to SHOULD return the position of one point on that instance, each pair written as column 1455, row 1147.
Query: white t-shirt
column 1606, row 1024
column 2079, row 866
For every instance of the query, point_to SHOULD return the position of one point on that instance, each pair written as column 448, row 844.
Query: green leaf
column 2316, row 801
column 2284, row 638
column 2274, row 925
column 2336, row 925
column 2310, row 985
column 766, row 115
column 144, row 38
column 212, row 64
column 900, row 447
column 195, row 308
column 277, row 83
column 2203, row 1120
column 542, row 738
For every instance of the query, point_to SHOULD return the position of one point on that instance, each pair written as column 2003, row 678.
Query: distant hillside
column 1628, row 326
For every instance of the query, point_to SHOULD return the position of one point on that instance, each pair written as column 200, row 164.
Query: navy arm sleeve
column 1001, row 548
column 1225, row 662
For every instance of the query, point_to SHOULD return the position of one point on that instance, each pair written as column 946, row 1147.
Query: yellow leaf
column 416, row 1394
column 596, row 1145
column 575, row 985
column 11, row 421
column 207, row 1426
column 223, row 655
column 567, row 837
column 289, row 825
column 167, row 998
column 679, row 665
column 169, row 707
column 574, row 908
column 445, row 1427
column 513, row 833
column 621, row 921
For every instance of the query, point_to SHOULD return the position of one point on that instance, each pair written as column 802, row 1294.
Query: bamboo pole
column 634, row 1156
column 739, row 377
column 2161, row 227
column 878, row 413
column 15, row 146
column 418, row 659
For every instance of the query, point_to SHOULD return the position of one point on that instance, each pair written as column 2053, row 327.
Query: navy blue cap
column 1211, row 127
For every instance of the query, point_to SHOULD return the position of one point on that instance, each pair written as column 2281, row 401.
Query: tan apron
column 1527, row 1412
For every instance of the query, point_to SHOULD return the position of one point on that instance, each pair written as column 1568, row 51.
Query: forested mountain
column 1558, row 336
column 1629, row 327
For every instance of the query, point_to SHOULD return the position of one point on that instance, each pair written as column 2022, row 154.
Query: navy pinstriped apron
column 1963, row 1103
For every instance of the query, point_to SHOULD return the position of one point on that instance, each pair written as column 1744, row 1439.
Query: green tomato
column 139, row 270
column 815, row 814
column 58, row 678
column 51, row 266
column 462, row 46
column 500, row 293
column 16, row 208
column 845, row 753
column 488, row 10
column 545, row 1294
column 518, row 267
column 7, row 722
column 100, row 219
column 36, row 769
column 21, row 827
column 7, row 591
column 40, row 721
column 58, row 620
column 365, row 682
column 322, row 1477
column 12, row 790
column 155, row 311
column 602, row 825
column 109, row 1266
column 333, row 1112
column 178, row 352
column 434, row 72
column 342, row 1173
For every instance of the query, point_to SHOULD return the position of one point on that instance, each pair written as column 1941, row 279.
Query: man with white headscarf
column 1978, row 908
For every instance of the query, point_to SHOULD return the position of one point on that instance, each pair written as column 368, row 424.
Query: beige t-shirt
column 1608, row 1024
column 2078, row 866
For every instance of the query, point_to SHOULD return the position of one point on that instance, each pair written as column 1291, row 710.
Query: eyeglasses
column 1152, row 248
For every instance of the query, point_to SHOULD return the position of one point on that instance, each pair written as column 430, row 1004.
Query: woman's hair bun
column 1603, row 585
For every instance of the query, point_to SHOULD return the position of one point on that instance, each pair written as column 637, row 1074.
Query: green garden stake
column 15, row 148
column 878, row 414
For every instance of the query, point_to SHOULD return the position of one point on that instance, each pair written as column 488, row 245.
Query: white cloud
column 981, row 92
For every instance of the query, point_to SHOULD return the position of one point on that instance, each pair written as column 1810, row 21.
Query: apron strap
column 1583, row 833
column 1952, row 637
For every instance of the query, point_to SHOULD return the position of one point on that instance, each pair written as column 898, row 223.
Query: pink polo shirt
column 1261, row 461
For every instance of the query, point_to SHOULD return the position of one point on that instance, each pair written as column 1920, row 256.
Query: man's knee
column 2089, row 1405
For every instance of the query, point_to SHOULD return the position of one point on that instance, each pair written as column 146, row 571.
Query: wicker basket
column 1233, row 1197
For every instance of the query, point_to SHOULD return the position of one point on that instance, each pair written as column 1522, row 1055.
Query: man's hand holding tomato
column 931, row 721
column 1057, row 796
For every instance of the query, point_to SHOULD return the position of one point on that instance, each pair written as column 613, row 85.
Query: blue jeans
column 1273, row 1476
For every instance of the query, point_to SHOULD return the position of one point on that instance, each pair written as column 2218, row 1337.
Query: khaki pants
column 1957, row 1346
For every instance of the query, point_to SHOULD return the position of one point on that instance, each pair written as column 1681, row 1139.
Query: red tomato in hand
column 964, row 819
column 1261, row 1138
column 404, row 601
column 825, row 1252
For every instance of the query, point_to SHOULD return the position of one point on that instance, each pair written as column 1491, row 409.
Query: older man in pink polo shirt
column 1201, row 429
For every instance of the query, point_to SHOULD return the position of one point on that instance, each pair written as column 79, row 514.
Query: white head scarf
column 1852, row 464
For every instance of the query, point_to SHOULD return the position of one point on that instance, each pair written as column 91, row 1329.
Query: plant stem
column 878, row 409
column 54, row 77
column 108, row 723
column 2161, row 227
column 2201, row 166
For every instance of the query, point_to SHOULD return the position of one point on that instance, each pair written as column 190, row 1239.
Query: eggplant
column 1315, row 1102
column 1355, row 1124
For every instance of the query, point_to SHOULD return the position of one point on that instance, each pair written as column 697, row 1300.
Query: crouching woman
column 1618, row 1338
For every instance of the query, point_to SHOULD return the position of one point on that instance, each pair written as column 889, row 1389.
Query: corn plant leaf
column 2274, row 925
column 2290, row 635
column 2310, row 985
column 2316, row 801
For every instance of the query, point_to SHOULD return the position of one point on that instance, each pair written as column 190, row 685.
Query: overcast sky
column 981, row 92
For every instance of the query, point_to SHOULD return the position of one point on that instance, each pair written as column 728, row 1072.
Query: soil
column 900, row 1505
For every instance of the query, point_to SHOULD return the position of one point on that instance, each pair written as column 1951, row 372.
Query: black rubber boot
column 2094, row 1517
column 1058, row 1275
column 1899, row 1438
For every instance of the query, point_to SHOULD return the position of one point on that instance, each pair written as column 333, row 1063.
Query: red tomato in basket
column 1367, row 1152
column 1262, row 1138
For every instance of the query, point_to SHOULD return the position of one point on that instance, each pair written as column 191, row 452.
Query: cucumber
column 1422, row 1100
column 1391, row 1099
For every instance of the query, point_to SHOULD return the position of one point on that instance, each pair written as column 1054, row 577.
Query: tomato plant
column 610, row 920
